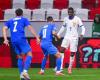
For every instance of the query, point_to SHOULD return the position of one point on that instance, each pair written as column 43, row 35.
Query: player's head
column 49, row 19
column 19, row 12
column 97, row 18
column 71, row 12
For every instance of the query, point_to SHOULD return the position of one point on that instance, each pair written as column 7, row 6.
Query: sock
column 62, row 58
column 71, row 61
column 58, row 63
column 43, row 63
column 27, row 63
column 20, row 65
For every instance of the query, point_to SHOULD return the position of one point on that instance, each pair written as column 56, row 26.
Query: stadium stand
column 75, row 3
column 5, row 4
column 1, row 14
column 27, row 13
column 9, row 13
column 54, row 13
column 63, row 13
column 60, row 4
column 89, row 4
column 46, row 4
column 82, row 13
column 38, row 15
column 18, row 3
column 32, row 4
column 93, row 12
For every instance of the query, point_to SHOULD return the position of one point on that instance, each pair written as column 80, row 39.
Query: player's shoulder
column 76, row 17
column 65, row 18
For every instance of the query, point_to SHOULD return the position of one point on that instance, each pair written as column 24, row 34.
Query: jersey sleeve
column 80, row 22
column 27, row 23
column 54, row 28
column 64, row 22
column 40, row 33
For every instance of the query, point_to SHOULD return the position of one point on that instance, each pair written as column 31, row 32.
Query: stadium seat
column 5, row 4
column 18, row 3
column 64, row 13
column 82, row 13
column 33, row 4
column 1, row 14
column 54, row 13
column 9, row 13
column 75, row 3
column 38, row 15
column 93, row 12
column 27, row 13
column 60, row 4
column 89, row 4
column 46, row 4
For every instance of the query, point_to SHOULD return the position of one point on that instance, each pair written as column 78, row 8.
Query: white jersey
column 71, row 26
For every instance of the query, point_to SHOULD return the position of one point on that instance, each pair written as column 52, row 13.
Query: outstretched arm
column 33, row 32
column 4, row 30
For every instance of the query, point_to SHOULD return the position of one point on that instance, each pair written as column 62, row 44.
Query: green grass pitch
column 78, row 74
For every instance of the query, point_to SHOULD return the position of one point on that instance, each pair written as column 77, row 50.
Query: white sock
column 42, row 70
column 62, row 58
column 71, row 61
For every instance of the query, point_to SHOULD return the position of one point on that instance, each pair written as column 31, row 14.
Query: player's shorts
column 70, row 43
column 48, row 48
column 21, row 46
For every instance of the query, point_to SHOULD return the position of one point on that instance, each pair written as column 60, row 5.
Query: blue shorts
column 21, row 47
column 48, row 48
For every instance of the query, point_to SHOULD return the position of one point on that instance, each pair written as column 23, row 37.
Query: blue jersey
column 16, row 26
column 46, row 39
column 46, row 32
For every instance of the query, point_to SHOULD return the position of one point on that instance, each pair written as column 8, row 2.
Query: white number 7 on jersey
column 15, row 25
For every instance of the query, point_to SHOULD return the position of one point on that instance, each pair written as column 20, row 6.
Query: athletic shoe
column 26, row 76
column 69, row 71
column 41, row 73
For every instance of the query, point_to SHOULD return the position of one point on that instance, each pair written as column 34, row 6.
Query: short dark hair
column 19, row 12
column 98, row 16
column 49, row 18
column 70, row 8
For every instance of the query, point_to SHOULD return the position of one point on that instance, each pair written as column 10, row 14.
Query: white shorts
column 70, row 43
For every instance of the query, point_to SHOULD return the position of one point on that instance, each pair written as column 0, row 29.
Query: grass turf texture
column 78, row 74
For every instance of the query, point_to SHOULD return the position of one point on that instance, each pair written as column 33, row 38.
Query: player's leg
column 73, row 49
column 20, row 59
column 64, row 45
column 43, row 64
column 53, row 50
column 62, row 57
column 25, row 48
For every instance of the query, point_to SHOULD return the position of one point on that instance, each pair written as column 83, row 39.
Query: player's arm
column 62, row 28
column 55, row 35
column 4, row 30
column 30, row 28
column 82, row 29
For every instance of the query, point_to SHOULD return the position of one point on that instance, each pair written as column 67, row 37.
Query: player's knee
column 62, row 50
column 72, row 54
column 58, row 55
column 29, row 53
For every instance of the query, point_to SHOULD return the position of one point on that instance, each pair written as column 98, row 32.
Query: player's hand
column 81, row 37
column 58, row 37
column 38, row 40
column 6, row 42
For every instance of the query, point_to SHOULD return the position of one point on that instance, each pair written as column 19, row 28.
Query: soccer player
column 19, row 41
column 71, row 24
column 46, row 34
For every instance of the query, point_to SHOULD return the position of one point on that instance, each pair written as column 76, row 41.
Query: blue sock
column 43, row 63
column 20, row 65
column 27, row 62
column 58, row 63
